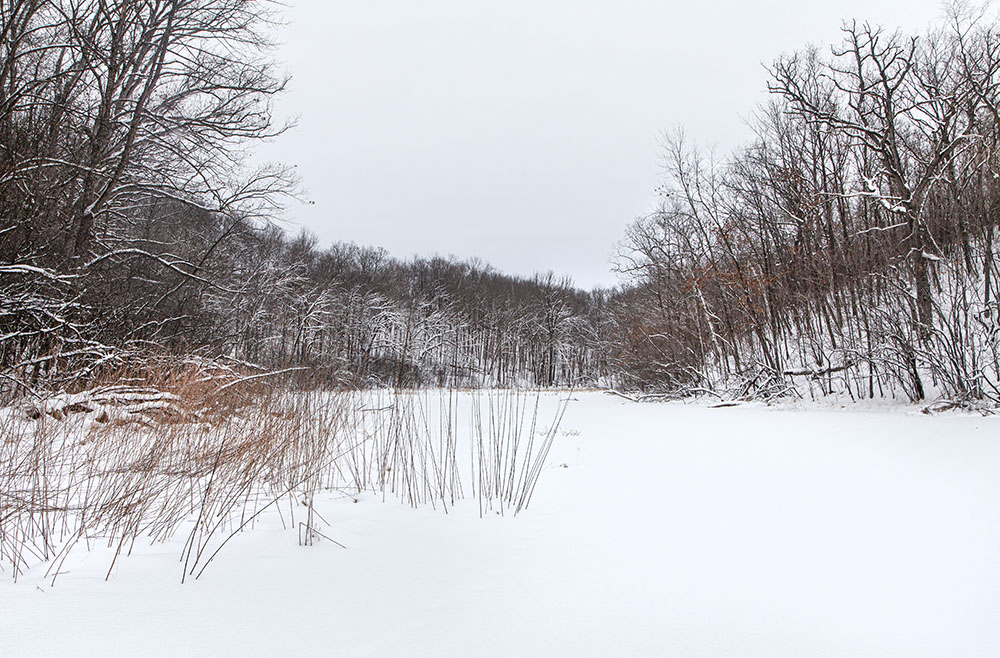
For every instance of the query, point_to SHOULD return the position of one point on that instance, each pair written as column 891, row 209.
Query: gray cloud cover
column 523, row 133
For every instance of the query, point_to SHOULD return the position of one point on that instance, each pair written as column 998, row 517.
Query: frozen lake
column 656, row 530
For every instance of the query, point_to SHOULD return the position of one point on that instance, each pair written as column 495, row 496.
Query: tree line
column 848, row 247
column 131, row 225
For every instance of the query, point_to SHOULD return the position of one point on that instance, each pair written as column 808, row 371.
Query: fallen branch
column 248, row 378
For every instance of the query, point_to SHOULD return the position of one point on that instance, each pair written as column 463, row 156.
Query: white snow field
column 657, row 530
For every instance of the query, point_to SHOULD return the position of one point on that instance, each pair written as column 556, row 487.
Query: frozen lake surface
column 656, row 530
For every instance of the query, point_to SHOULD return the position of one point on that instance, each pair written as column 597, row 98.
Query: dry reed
column 220, row 451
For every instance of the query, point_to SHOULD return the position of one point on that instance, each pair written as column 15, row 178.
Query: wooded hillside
column 849, row 247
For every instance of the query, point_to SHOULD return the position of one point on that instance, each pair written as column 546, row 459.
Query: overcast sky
column 522, row 132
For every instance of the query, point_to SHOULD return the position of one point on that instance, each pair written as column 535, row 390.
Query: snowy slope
column 658, row 530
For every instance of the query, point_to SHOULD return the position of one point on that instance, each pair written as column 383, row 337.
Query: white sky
column 522, row 132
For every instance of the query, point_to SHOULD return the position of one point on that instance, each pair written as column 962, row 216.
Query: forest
column 848, row 247
column 342, row 451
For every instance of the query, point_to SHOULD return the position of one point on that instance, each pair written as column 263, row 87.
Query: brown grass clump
column 137, row 459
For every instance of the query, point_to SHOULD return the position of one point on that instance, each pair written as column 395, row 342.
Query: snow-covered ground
column 656, row 530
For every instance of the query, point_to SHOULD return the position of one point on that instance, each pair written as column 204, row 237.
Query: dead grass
column 222, row 447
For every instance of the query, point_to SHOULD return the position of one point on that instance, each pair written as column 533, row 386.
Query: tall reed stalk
column 208, row 470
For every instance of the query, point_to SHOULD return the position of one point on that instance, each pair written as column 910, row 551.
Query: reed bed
column 205, row 468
